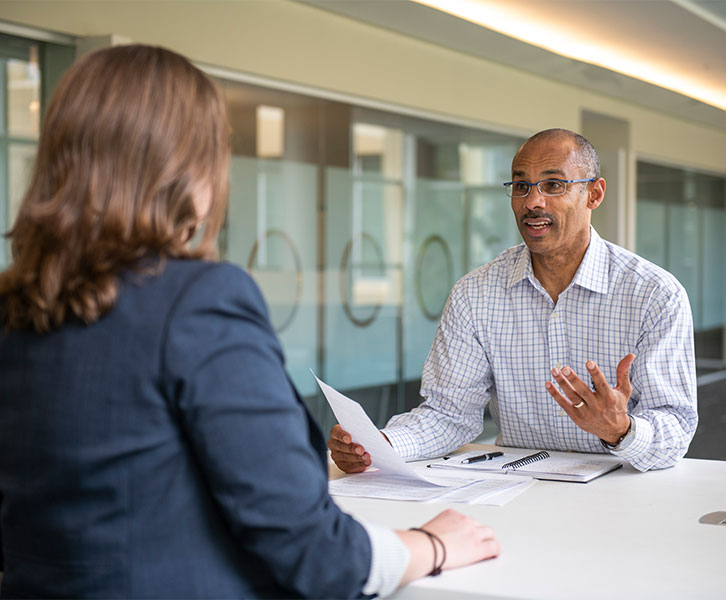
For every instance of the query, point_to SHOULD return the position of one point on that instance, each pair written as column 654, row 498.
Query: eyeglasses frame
column 565, row 181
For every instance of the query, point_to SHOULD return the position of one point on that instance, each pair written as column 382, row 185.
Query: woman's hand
column 465, row 541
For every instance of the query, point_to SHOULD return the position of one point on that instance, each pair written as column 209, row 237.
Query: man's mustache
column 536, row 215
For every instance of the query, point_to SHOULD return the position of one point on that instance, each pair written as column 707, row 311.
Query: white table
column 624, row 535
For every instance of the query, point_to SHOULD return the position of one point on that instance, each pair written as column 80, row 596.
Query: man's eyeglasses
column 546, row 187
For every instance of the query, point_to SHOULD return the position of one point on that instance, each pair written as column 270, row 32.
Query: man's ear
column 597, row 193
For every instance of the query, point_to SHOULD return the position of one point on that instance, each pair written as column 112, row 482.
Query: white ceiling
column 686, row 38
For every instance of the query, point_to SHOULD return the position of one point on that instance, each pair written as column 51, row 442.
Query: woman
column 151, row 444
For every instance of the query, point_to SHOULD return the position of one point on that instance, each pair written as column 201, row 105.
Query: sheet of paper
column 501, row 498
column 376, row 484
column 487, row 490
column 495, row 497
column 356, row 422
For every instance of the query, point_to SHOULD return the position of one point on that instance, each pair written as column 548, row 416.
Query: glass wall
column 28, row 72
column 681, row 217
column 356, row 223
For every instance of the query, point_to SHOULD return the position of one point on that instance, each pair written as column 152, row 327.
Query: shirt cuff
column 640, row 444
column 404, row 442
column 389, row 559
column 627, row 441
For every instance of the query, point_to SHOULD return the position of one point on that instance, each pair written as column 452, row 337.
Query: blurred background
column 371, row 140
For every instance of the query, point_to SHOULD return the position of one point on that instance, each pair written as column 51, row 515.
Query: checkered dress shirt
column 501, row 334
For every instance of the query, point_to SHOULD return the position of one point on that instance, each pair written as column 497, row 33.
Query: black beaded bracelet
column 434, row 538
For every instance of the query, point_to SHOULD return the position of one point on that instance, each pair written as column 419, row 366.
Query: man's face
column 552, row 224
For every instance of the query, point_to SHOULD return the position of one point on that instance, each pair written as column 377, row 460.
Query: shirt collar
column 522, row 267
column 592, row 273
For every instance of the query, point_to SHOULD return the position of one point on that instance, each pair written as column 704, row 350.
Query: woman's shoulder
column 184, row 273
column 217, row 282
column 186, row 282
column 189, row 271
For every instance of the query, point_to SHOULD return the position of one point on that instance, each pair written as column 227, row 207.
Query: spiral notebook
column 560, row 466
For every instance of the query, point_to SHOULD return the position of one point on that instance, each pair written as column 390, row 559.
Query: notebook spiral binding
column 523, row 462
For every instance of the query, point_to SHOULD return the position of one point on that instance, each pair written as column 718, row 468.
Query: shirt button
column 554, row 315
column 561, row 413
column 558, row 365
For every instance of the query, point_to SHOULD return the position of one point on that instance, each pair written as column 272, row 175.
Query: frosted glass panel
column 272, row 233
column 714, row 268
column 434, row 261
column 21, row 159
column 362, row 279
column 651, row 231
column 491, row 225
column 683, row 253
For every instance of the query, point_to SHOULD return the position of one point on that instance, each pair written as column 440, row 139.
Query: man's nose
column 534, row 199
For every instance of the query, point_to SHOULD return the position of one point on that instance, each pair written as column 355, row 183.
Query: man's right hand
column 349, row 457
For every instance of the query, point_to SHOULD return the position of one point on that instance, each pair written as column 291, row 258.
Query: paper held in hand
column 390, row 477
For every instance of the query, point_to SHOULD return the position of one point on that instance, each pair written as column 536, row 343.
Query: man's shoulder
column 628, row 266
column 496, row 272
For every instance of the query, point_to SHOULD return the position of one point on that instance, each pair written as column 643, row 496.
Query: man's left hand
column 603, row 411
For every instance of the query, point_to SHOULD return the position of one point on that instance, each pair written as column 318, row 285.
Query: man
column 574, row 342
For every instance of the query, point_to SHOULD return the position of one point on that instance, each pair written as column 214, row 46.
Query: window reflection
column 270, row 131
column 23, row 96
column 377, row 149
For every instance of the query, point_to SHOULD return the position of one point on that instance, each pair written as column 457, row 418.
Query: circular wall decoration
column 344, row 264
column 428, row 243
column 269, row 234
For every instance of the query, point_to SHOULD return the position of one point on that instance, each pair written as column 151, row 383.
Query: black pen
column 485, row 456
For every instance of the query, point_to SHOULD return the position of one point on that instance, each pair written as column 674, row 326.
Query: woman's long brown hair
column 132, row 136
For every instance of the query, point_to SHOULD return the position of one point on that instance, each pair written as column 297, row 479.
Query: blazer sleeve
column 223, row 368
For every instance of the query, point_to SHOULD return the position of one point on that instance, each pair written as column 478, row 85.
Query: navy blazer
column 162, row 452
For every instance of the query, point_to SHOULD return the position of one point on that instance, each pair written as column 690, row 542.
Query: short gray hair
column 587, row 155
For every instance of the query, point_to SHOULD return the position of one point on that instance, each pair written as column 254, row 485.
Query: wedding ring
column 580, row 404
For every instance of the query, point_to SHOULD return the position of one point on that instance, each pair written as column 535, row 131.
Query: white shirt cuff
column 389, row 559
